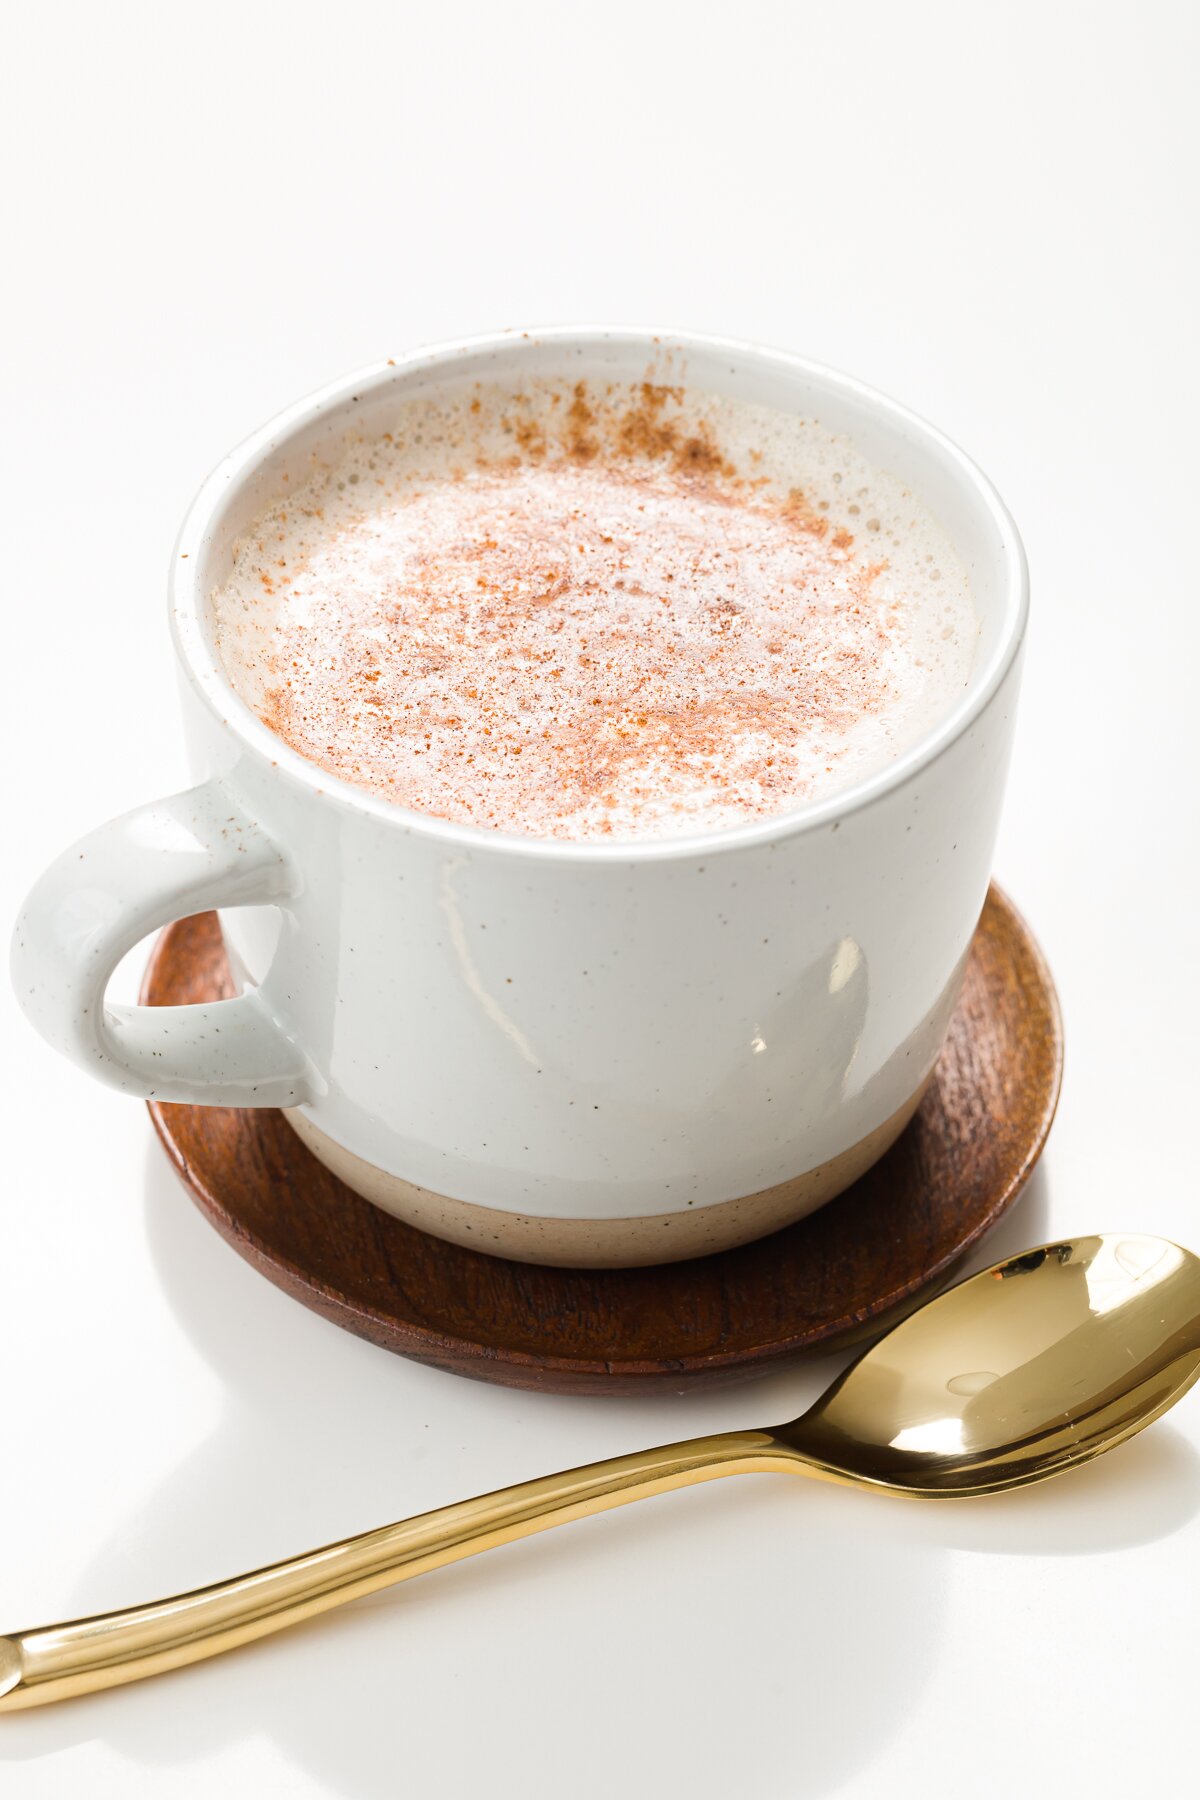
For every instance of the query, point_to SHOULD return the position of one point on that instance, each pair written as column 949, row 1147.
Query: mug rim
column 212, row 686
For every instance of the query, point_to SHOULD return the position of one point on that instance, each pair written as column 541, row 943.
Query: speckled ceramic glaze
column 584, row 1052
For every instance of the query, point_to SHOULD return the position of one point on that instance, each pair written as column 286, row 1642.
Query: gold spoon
column 1015, row 1374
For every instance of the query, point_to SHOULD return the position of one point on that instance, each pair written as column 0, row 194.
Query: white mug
column 590, row 1053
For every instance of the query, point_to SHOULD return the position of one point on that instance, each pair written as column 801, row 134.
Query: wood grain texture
column 836, row 1277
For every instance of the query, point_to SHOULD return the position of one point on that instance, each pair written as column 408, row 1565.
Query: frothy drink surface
column 597, row 612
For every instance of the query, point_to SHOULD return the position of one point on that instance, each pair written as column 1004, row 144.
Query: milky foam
column 581, row 612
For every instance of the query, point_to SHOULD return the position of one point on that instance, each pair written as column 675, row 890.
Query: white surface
column 989, row 213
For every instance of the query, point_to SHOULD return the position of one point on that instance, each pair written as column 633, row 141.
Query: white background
column 990, row 212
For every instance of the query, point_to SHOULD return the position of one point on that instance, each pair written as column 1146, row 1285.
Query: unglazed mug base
column 606, row 1243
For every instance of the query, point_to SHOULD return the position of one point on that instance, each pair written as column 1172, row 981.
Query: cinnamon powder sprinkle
column 604, row 632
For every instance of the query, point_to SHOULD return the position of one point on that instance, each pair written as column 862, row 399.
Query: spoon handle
column 54, row 1662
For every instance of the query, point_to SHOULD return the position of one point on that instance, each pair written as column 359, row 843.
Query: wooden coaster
column 838, row 1276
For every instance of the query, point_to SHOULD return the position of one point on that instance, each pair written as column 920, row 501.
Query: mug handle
column 158, row 863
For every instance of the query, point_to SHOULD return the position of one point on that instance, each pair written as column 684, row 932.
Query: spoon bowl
column 1023, row 1371
column 1016, row 1374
